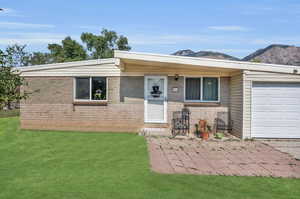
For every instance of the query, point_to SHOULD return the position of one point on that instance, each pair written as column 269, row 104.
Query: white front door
column 155, row 99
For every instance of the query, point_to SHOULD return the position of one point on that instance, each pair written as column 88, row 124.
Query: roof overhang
column 66, row 65
column 126, row 57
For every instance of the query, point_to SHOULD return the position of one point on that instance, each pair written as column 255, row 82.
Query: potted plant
column 204, row 129
column 197, row 131
column 219, row 135
column 205, row 135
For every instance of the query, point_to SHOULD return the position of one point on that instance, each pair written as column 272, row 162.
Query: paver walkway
column 233, row 158
column 291, row 147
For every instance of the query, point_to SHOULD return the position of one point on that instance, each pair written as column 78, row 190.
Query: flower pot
column 202, row 124
column 205, row 135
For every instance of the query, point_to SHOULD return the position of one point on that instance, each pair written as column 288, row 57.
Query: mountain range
column 273, row 54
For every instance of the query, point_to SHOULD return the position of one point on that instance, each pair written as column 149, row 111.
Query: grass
column 59, row 165
column 9, row 113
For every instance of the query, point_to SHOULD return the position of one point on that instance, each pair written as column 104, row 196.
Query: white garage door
column 275, row 110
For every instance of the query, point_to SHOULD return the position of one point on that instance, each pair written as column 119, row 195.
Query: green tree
column 10, row 82
column 37, row 58
column 256, row 60
column 16, row 56
column 2, row 58
column 102, row 46
column 70, row 50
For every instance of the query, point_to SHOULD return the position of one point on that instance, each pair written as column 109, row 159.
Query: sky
column 234, row 27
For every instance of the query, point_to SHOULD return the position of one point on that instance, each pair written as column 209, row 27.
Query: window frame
column 90, row 97
column 201, row 89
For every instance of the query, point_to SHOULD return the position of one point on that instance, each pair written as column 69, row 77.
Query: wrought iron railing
column 181, row 122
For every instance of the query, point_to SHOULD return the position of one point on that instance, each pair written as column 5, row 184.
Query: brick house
column 136, row 91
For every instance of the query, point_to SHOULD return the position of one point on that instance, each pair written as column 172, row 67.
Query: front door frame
column 146, row 99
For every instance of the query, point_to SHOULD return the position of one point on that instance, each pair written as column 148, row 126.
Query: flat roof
column 66, row 64
column 157, row 59
column 207, row 62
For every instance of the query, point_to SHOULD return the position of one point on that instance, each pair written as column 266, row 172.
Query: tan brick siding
column 176, row 102
column 132, row 90
column 49, row 90
column 50, row 107
column 114, row 117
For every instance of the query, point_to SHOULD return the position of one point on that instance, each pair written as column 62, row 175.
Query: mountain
column 273, row 54
column 206, row 54
column 276, row 54
column 187, row 52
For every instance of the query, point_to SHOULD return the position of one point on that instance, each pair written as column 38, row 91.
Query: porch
column 169, row 87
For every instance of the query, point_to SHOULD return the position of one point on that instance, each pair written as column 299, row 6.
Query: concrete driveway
column 291, row 147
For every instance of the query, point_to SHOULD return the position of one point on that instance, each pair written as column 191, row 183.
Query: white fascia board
column 216, row 63
column 65, row 65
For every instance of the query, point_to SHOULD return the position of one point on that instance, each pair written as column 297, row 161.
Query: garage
column 275, row 110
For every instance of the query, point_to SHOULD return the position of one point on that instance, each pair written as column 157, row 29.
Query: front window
column 202, row 89
column 193, row 88
column 90, row 88
column 83, row 88
column 210, row 89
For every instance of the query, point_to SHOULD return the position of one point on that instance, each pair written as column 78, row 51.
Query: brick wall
column 208, row 113
column 50, row 106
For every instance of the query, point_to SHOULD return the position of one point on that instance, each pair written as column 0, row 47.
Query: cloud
column 90, row 27
column 258, row 9
column 9, row 12
column 230, row 50
column 174, row 39
column 18, row 25
column 228, row 28
column 31, row 38
column 277, row 40
column 161, row 39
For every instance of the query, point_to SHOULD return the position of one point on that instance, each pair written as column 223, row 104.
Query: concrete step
column 155, row 132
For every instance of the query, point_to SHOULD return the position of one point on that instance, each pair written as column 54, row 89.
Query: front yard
column 9, row 113
column 46, row 164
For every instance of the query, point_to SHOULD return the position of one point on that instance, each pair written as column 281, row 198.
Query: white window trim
column 88, row 100
column 201, row 91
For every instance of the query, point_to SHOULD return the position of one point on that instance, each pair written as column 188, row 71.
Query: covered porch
column 172, row 85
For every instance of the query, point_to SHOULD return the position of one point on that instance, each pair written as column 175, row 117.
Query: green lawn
column 46, row 164
column 9, row 113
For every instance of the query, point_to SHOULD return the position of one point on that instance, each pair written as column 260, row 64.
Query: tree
column 10, row 82
column 256, row 60
column 16, row 56
column 99, row 46
column 70, row 50
column 2, row 57
column 102, row 46
column 37, row 58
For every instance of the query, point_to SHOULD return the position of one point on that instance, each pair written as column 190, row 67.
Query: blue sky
column 234, row 27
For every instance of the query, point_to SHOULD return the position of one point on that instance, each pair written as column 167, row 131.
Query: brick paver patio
column 233, row 158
